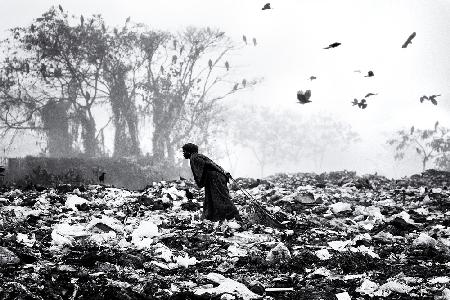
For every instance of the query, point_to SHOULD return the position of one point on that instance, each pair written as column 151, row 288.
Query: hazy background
column 291, row 38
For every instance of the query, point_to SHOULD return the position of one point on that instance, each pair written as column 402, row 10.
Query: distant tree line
column 59, row 69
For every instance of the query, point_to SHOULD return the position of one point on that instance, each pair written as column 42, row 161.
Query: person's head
column 189, row 149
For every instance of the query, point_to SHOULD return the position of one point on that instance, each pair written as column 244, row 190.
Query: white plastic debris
column 340, row 207
column 235, row 251
column 73, row 200
column 7, row 257
column 142, row 236
column 278, row 253
column 185, row 261
column 23, row 238
column 321, row 271
column 404, row 215
column 392, row 286
column 110, row 222
column 226, row 286
column 370, row 211
column 367, row 287
column 424, row 240
column 446, row 294
column 104, row 237
column 146, row 229
column 343, row 296
column 323, row 254
column 65, row 234
column 441, row 279
column 365, row 250
column 164, row 252
column 339, row 245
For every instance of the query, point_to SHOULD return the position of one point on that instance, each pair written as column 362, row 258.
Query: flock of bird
column 304, row 97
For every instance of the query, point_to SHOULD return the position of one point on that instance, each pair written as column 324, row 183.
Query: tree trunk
column 56, row 123
column 159, row 132
column 126, row 140
column 88, row 133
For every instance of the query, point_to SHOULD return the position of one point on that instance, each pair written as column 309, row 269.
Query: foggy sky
column 290, row 40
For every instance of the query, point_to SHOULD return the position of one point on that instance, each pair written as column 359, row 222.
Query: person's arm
column 214, row 167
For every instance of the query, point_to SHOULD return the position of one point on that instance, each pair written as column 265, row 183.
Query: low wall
column 119, row 172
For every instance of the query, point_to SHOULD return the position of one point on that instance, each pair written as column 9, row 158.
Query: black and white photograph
column 224, row 149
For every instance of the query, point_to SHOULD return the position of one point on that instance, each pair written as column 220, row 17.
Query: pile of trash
column 343, row 236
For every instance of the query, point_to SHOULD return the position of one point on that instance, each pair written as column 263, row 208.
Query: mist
column 289, row 49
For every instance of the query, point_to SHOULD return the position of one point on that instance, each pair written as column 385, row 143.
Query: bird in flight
column 361, row 104
column 431, row 98
column 370, row 74
column 312, row 78
column 370, row 94
column 357, row 71
column 409, row 40
column 303, row 98
column 334, row 45
column 266, row 6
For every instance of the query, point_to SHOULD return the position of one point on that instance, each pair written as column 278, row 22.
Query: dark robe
column 217, row 204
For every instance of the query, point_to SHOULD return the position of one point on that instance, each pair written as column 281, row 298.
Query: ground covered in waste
column 331, row 236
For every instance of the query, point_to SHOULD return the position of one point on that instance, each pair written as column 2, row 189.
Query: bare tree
column 185, row 80
column 428, row 144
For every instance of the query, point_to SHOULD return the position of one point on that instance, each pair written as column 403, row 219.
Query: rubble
column 343, row 236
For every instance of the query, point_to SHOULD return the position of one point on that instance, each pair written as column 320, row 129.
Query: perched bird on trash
column 370, row 74
column 60, row 8
column 235, row 86
column 334, row 45
column 244, row 38
column 210, row 64
column 436, row 125
column 101, row 178
column 254, row 41
column 409, row 40
column 227, row 65
column 370, row 94
column 303, row 98
column 244, row 82
column 412, row 130
column 312, row 78
column 266, row 6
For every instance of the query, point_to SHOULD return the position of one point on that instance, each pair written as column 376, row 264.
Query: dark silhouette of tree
column 58, row 62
